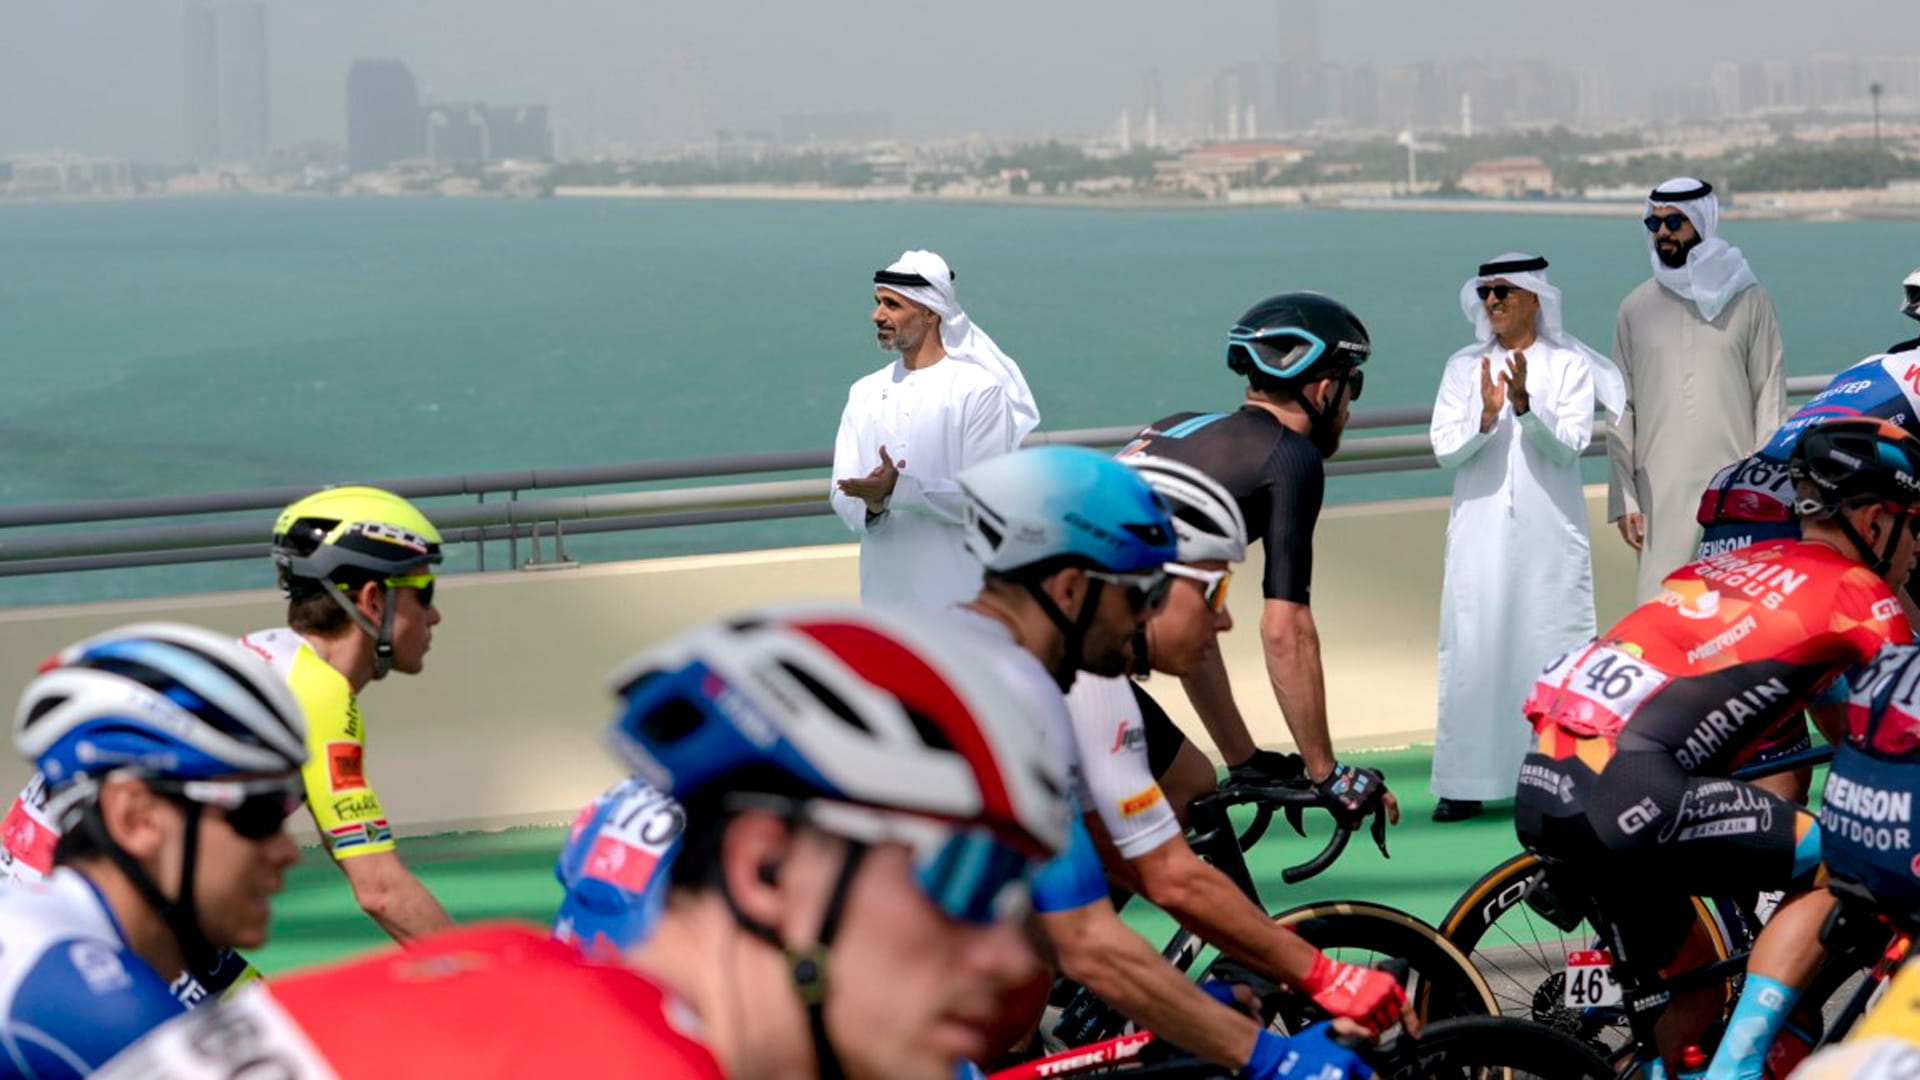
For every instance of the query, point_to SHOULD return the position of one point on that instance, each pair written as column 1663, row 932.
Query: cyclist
column 864, row 808
column 611, row 867
column 1074, row 546
column 1133, row 824
column 1868, row 837
column 171, row 759
column 1301, row 354
column 356, row 566
column 1635, row 731
column 1910, row 307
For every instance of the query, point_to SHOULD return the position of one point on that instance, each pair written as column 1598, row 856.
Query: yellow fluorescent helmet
column 365, row 528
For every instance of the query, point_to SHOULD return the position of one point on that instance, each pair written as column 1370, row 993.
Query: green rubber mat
column 509, row 874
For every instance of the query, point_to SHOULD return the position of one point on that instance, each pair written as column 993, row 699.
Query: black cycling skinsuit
column 1274, row 473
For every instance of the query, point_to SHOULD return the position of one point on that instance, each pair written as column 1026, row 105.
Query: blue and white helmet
column 162, row 699
column 1207, row 523
column 1055, row 502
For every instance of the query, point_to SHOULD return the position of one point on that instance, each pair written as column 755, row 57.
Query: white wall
column 503, row 726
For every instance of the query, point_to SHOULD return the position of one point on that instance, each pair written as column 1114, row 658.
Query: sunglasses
column 1356, row 381
column 967, row 872
column 421, row 582
column 1498, row 292
column 1145, row 592
column 1213, row 584
column 1671, row 221
column 255, row 809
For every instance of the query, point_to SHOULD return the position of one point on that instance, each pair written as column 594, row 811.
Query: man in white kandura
column 1514, row 413
column 1700, row 349
column 951, row 400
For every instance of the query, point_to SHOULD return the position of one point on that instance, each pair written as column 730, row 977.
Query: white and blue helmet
column 159, row 699
column 1207, row 523
column 1066, row 503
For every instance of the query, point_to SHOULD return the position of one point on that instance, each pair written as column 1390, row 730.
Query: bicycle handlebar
column 1818, row 755
column 1291, row 798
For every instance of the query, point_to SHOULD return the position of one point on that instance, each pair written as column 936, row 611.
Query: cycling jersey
column 1870, row 836
column 490, row 1002
column 614, row 868
column 72, row 994
column 344, row 805
column 28, row 836
column 1634, row 731
column 1116, row 778
column 1075, row 877
column 1274, row 473
column 1752, row 499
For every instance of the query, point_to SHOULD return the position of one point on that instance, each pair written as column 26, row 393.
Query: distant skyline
column 109, row 77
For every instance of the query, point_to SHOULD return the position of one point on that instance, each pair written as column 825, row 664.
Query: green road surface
column 509, row 874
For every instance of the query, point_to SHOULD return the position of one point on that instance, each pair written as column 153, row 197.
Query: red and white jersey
column 493, row 1002
column 27, row 836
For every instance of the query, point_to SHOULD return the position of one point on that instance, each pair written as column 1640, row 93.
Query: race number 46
column 1590, row 981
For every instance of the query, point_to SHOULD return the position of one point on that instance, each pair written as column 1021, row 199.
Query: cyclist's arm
column 1099, row 952
column 1208, row 903
column 392, row 897
column 1291, row 642
column 1211, row 694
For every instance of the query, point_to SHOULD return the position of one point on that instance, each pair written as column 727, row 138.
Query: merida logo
column 1718, row 727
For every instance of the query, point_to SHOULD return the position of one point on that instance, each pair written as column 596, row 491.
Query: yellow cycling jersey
column 343, row 803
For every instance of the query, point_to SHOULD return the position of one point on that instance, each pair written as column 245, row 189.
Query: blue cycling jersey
column 614, row 868
column 72, row 994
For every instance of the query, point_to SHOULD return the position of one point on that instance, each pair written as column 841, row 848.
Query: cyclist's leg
column 1791, row 786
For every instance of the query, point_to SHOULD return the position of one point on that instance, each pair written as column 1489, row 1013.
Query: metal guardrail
column 516, row 519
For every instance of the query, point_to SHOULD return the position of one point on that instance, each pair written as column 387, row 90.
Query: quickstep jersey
column 1273, row 472
column 488, row 1003
column 72, row 994
column 614, row 868
column 1732, row 650
column 1752, row 499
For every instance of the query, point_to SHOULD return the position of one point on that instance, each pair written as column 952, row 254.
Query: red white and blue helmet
column 874, row 708
column 160, row 699
column 1064, row 502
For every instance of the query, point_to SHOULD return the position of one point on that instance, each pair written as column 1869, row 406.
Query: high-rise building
column 518, row 131
column 383, row 115
column 226, row 80
column 243, row 80
column 457, row 134
column 1299, row 90
column 203, row 83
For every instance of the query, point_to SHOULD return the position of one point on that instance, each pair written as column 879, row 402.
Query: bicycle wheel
column 1495, row 1048
column 1501, row 923
column 1441, row 981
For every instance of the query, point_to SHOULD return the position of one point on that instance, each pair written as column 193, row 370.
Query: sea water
column 177, row 346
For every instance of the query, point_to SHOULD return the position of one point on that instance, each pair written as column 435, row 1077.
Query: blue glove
column 1221, row 991
column 1310, row 1055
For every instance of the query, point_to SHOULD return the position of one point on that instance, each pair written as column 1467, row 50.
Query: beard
column 1325, row 436
column 1673, row 254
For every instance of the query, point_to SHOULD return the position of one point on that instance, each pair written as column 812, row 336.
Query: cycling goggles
column 967, row 872
column 1145, row 592
column 256, row 809
column 1671, row 221
column 1213, row 583
column 422, row 582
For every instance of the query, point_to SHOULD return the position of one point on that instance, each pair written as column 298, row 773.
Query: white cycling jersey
column 1114, row 779
column 72, row 994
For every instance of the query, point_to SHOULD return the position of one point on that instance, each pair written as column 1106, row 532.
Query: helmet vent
column 44, row 706
column 673, row 720
column 825, row 697
column 929, row 731
column 1152, row 534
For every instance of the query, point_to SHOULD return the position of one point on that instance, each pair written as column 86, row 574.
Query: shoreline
column 1864, row 205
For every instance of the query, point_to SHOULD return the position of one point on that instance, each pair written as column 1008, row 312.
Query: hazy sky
column 106, row 76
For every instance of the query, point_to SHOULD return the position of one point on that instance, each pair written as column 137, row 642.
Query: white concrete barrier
column 503, row 726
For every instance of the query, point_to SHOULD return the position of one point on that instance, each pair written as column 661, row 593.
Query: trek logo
column 1638, row 816
column 1719, row 726
column 1128, row 738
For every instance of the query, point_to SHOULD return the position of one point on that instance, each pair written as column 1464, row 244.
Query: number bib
column 1590, row 981
column 1594, row 691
